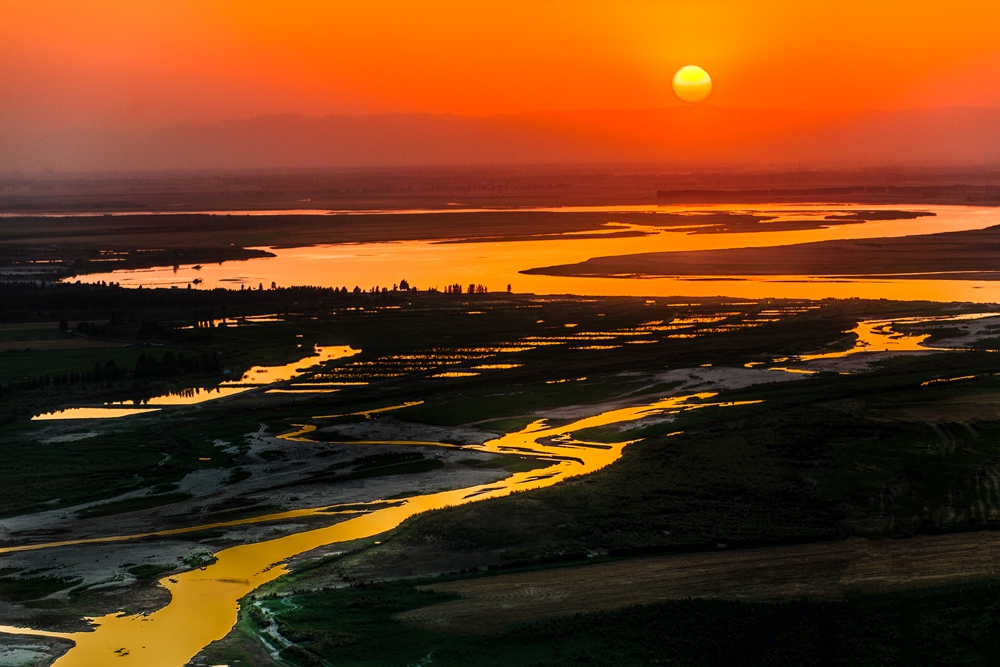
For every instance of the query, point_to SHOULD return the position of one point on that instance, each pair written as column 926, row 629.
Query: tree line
column 147, row 367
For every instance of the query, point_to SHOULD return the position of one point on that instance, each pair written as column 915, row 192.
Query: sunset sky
column 126, row 64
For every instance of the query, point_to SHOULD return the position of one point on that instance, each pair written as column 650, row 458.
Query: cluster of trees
column 260, row 287
column 472, row 289
column 38, row 301
column 200, row 331
column 401, row 286
column 146, row 367
column 149, row 329
column 109, row 371
column 93, row 330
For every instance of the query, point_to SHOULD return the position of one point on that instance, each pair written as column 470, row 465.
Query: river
column 496, row 264
column 205, row 602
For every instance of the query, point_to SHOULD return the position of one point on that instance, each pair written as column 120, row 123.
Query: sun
column 692, row 84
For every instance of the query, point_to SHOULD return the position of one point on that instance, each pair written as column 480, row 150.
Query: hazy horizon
column 108, row 85
column 703, row 136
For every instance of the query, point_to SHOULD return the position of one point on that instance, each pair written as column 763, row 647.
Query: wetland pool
column 256, row 376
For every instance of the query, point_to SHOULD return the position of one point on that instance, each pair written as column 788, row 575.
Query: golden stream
column 204, row 602
column 878, row 336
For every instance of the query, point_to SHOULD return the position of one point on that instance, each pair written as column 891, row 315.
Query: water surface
column 253, row 377
column 91, row 413
column 496, row 264
column 880, row 336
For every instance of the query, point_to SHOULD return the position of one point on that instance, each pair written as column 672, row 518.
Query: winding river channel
column 205, row 602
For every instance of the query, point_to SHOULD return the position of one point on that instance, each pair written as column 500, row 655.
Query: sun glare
column 692, row 84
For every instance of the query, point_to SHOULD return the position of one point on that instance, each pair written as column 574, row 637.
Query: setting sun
column 692, row 84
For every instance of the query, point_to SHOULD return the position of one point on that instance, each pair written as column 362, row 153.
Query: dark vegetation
column 826, row 457
column 132, row 504
column 149, row 570
column 954, row 626
column 24, row 588
column 819, row 459
column 59, row 474
column 115, row 312
column 146, row 367
column 374, row 465
column 151, row 341
column 141, row 319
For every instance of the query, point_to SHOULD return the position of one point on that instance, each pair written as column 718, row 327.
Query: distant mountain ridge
column 693, row 135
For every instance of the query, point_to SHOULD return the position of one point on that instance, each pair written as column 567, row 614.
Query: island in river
column 963, row 255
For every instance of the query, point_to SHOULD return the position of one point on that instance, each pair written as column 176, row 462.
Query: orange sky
column 122, row 63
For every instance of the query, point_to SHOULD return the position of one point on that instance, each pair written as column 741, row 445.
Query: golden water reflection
column 91, row 413
column 204, row 602
column 255, row 376
column 879, row 336
column 260, row 375
column 191, row 396
column 497, row 264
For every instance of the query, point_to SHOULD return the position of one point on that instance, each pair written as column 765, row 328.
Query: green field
column 951, row 625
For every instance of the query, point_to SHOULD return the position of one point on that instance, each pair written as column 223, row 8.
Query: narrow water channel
column 205, row 602
column 880, row 336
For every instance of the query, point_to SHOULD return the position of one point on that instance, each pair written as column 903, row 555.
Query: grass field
column 943, row 625
column 67, row 473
